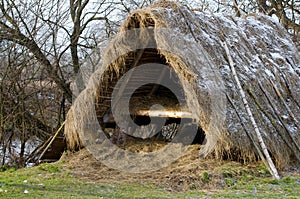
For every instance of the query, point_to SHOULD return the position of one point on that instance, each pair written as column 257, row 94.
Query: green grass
column 52, row 181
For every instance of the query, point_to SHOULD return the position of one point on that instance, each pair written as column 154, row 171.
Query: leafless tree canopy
column 43, row 44
column 287, row 12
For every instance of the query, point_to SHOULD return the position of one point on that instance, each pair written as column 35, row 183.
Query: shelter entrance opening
column 173, row 111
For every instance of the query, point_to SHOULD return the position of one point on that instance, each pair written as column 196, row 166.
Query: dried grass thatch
column 73, row 139
column 266, row 60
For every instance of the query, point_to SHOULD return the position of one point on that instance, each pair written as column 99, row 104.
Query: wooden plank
column 165, row 113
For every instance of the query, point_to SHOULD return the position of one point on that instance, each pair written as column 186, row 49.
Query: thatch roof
column 265, row 59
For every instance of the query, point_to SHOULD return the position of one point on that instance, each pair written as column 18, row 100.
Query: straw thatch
column 265, row 58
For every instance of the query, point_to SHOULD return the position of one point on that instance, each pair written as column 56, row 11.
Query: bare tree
column 18, row 115
column 287, row 12
column 44, row 28
column 43, row 45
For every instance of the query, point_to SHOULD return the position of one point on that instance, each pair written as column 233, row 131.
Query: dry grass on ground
column 189, row 172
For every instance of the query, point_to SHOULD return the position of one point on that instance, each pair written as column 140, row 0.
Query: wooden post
column 270, row 165
column 53, row 138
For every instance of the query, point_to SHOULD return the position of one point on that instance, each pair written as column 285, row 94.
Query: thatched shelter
column 190, row 42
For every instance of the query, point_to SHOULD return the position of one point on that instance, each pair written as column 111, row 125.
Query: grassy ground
column 54, row 181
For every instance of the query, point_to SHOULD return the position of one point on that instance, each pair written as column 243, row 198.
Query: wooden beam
column 164, row 113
